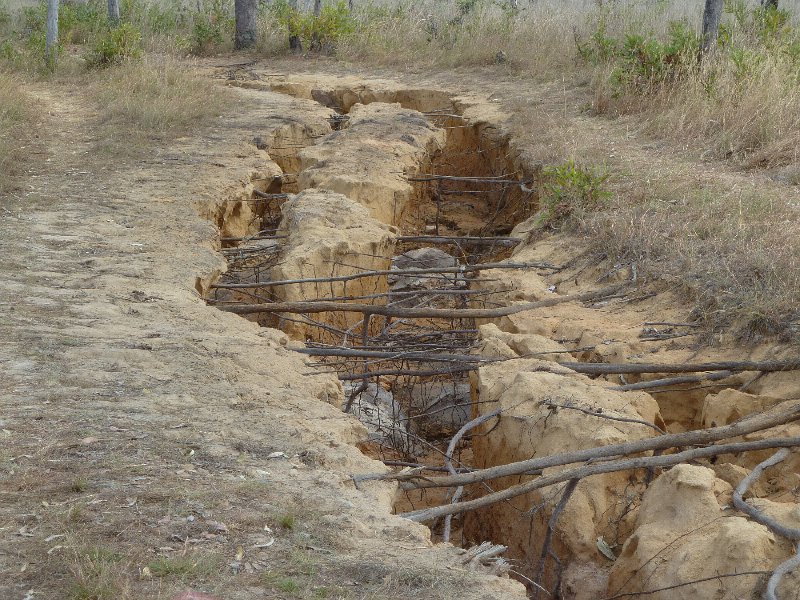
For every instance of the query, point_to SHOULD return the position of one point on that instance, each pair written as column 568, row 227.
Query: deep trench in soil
column 397, row 199
column 467, row 194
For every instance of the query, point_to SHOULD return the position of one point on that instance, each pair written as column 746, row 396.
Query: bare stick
column 613, row 369
column 466, row 240
column 380, row 272
column 669, row 381
column 409, row 373
column 684, row 584
column 744, row 426
column 474, row 179
column 448, row 461
column 551, row 526
column 411, row 313
column 602, row 415
column 264, row 196
column 782, row 569
column 642, row 462
column 769, row 522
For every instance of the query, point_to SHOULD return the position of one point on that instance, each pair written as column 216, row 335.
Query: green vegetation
column 98, row 574
column 193, row 565
column 15, row 117
column 570, row 190
column 288, row 521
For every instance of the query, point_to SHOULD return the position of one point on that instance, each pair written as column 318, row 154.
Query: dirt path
column 152, row 444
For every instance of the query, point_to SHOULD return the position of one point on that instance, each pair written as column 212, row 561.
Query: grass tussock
column 99, row 574
column 15, row 120
column 158, row 97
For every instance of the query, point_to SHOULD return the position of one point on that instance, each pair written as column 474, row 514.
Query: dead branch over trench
column 414, row 480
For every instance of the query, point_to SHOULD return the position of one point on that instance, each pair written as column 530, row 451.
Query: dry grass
column 15, row 119
column 736, row 251
column 159, row 96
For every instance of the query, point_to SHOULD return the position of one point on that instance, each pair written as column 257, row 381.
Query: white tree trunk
column 51, row 41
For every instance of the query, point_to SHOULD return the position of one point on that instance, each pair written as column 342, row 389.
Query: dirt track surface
column 140, row 428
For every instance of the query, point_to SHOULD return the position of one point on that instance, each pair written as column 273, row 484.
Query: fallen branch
column 750, row 424
column 448, row 462
column 642, row 462
column 264, row 196
column 547, row 548
column 409, row 373
column 381, row 272
column 772, row 524
column 602, row 415
column 684, row 584
column 670, row 381
column 465, row 240
column 473, row 179
column 627, row 368
column 411, row 313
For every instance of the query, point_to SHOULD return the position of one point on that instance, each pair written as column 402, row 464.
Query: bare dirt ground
column 153, row 444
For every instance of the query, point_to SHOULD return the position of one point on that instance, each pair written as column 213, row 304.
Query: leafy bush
column 317, row 33
column 119, row 43
column 641, row 62
column 570, row 190
column 213, row 25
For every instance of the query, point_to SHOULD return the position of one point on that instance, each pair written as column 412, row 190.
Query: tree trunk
column 245, row 23
column 51, row 41
column 315, row 43
column 113, row 12
column 712, row 15
column 295, row 45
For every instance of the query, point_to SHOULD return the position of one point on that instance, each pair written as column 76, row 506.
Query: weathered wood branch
column 642, row 462
column 472, row 179
column 394, row 272
column 411, row 313
column 670, row 381
column 629, row 368
column 448, row 462
column 758, row 516
column 465, row 240
column 744, row 426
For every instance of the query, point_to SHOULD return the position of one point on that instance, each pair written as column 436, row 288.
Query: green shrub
column 118, row 43
column 316, row 33
column 570, row 190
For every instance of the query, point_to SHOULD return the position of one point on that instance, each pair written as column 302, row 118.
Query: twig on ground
column 758, row 516
column 448, row 462
column 642, row 462
column 750, row 424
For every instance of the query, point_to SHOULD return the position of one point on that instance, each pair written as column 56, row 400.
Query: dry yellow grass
column 15, row 118
column 158, row 96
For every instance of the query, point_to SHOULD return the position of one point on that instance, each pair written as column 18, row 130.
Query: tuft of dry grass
column 15, row 117
column 98, row 574
column 159, row 96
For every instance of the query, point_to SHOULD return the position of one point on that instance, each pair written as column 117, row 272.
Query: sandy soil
column 152, row 444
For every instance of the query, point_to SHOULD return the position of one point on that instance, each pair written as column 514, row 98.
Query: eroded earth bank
column 182, row 332
column 396, row 236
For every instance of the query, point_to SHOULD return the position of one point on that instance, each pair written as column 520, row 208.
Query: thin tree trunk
column 712, row 15
column 245, row 23
column 113, row 12
column 51, row 41
column 315, row 43
column 295, row 45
